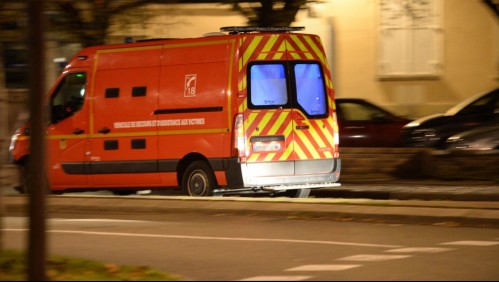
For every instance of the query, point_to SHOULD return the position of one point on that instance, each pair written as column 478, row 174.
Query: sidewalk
column 414, row 211
column 404, row 189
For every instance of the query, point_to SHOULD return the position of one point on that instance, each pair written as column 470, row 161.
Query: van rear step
column 276, row 188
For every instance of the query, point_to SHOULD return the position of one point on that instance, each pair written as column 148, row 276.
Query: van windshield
column 68, row 97
column 288, row 85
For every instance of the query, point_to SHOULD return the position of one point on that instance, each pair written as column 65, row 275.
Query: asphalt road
column 223, row 246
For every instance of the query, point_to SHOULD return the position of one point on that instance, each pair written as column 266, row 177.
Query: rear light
column 239, row 139
column 336, row 137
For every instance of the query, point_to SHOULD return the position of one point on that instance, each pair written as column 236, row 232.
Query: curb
column 443, row 213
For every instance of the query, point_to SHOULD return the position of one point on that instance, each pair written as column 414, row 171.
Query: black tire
column 296, row 193
column 22, row 188
column 25, row 177
column 123, row 192
column 198, row 180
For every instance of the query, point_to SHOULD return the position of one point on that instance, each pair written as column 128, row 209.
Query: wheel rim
column 198, row 183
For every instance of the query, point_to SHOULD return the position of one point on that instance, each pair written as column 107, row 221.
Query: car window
column 361, row 112
column 483, row 105
column 476, row 104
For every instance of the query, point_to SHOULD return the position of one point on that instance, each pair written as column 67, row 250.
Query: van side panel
column 123, row 125
column 193, row 104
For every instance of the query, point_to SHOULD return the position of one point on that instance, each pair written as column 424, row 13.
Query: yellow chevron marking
column 262, row 123
column 289, row 146
column 268, row 47
column 302, row 47
column 280, row 119
column 251, row 48
column 317, row 51
column 309, row 146
column 317, row 138
column 327, row 133
column 250, row 119
column 269, row 157
column 292, row 51
column 321, row 56
column 288, row 130
column 299, row 151
column 254, row 157
column 289, row 150
column 280, row 51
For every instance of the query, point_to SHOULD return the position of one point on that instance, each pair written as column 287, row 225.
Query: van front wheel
column 198, row 180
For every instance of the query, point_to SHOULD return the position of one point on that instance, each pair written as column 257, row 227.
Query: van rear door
column 288, row 117
column 289, row 123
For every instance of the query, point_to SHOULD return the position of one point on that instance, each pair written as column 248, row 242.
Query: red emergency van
column 249, row 109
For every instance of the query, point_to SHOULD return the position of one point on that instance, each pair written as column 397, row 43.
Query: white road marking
column 276, row 278
column 471, row 243
column 374, row 257
column 323, row 267
column 420, row 250
column 212, row 238
column 95, row 220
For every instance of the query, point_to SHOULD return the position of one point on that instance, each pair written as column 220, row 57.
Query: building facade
column 413, row 57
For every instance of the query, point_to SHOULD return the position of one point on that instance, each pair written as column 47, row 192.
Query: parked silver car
column 432, row 131
column 481, row 138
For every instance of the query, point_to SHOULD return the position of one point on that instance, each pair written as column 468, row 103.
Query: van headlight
column 13, row 140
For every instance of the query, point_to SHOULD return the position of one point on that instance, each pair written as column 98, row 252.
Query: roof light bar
column 238, row 29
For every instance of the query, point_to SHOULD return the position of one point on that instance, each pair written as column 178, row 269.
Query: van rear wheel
column 296, row 193
column 198, row 180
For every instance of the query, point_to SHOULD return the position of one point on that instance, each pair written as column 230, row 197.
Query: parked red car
column 364, row 124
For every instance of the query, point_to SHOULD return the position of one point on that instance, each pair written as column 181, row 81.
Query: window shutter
column 410, row 39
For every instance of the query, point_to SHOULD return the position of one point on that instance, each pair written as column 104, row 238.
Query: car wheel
column 198, row 179
column 25, row 177
column 296, row 193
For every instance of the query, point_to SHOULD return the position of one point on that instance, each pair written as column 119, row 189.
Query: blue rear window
column 288, row 84
column 310, row 91
column 268, row 85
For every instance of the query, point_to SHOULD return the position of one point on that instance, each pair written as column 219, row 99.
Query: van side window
column 68, row 97
column 268, row 85
column 112, row 92
column 310, row 91
column 139, row 91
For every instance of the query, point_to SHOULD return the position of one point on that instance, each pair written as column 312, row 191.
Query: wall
column 372, row 164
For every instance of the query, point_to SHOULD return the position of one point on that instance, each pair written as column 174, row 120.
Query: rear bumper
column 292, row 174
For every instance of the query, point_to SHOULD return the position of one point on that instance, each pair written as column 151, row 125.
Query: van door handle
column 78, row 131
column 104, row 130
column 301, row 127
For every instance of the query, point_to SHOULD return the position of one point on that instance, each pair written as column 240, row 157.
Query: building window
column 16, row 66
column 410, row 39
